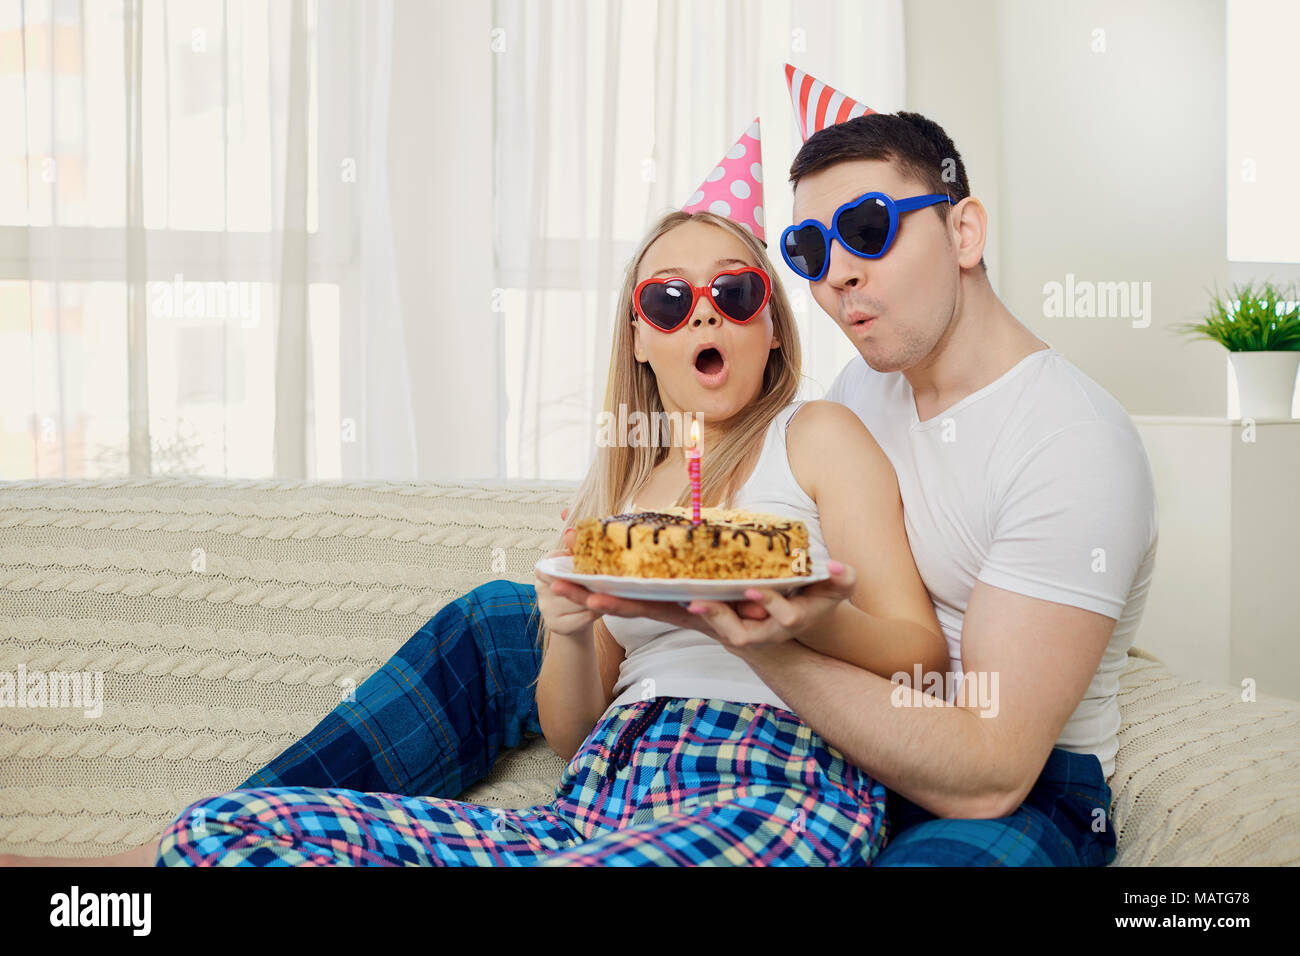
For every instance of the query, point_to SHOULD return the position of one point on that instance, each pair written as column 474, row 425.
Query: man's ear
column 971, row 229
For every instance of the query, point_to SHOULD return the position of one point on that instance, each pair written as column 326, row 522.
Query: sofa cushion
column 1202, row 777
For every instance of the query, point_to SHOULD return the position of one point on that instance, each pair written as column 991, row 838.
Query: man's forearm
column 937, row 756
column 879, row 645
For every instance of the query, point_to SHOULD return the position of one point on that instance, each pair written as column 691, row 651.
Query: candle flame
column 695, row 433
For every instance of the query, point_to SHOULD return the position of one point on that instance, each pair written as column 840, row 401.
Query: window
column 213, row 119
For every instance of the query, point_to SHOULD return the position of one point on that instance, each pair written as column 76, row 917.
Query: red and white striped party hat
column 735, row 187
column 817, row 105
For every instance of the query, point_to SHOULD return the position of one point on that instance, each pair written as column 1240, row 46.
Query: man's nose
column 845, row 270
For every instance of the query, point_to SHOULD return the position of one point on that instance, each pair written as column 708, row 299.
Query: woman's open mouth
column 710, row 367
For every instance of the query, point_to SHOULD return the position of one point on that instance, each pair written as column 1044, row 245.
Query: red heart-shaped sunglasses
column 666, row 302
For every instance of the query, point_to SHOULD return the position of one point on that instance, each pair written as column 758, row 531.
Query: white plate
column 673, row 589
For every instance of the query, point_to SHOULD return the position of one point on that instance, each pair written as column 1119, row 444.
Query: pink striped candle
column 693, row 469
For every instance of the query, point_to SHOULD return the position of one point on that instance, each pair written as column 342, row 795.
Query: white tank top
column 667, row 661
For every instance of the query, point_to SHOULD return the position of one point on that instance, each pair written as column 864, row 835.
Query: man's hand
column 786, row 617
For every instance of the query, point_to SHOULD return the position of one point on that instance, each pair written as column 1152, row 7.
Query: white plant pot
column 1265, row 382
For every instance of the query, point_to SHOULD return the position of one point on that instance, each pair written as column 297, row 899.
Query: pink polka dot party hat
column 734, row 189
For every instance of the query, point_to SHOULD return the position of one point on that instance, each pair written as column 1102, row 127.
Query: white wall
column 1107, row 165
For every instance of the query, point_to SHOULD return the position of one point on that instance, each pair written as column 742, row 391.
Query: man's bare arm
column 945, row 758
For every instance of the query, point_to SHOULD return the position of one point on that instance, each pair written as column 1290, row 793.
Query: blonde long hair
column 619, row 469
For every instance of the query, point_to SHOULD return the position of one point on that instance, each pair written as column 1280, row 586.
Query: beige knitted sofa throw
column 227, row 618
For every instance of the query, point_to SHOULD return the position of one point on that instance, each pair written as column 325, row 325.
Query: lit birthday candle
column 693, row 468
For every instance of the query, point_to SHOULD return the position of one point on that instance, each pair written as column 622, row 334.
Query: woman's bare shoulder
column 826, row 438
column 820, row 419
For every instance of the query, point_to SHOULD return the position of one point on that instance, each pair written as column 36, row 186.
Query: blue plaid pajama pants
column 668, row 781
column 433, row 719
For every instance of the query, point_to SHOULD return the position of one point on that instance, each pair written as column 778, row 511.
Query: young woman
column 678, row 753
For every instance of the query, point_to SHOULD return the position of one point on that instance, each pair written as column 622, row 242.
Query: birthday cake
column 727, row 543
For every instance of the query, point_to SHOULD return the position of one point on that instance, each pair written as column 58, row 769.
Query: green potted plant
column 1259, row 325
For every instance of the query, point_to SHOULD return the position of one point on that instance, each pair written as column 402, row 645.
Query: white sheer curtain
column 364, row 238
column 608, row 114
column 196, row 247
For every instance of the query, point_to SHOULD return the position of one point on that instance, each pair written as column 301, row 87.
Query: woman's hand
column 738, row 627
column 555, row 600
column 561, row 603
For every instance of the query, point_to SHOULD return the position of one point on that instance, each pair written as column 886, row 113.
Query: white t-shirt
column 1036, row 483
column 666, row 661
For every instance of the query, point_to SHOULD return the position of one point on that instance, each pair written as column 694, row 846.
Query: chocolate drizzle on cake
column 739, row 529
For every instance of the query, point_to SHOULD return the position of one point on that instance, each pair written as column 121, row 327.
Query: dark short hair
column 918, row 146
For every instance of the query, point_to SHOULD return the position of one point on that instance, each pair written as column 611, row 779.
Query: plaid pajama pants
column 433, row 719
column 664, row 782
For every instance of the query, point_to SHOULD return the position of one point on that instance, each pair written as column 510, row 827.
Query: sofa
column 227, row 617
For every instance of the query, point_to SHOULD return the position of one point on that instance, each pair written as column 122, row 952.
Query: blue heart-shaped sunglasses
column 865, row 226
